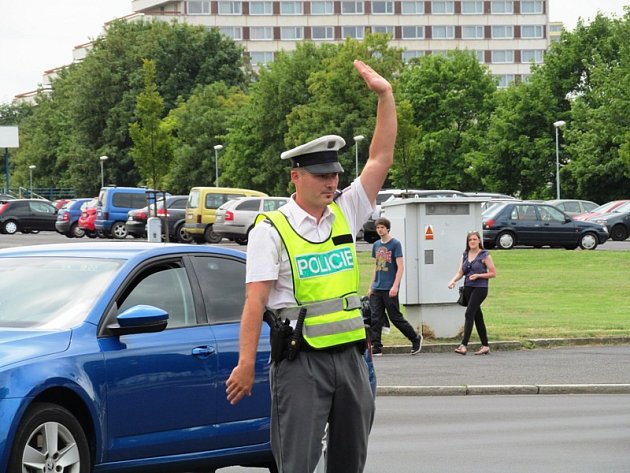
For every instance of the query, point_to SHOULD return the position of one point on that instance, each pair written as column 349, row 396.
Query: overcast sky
column 38, row 35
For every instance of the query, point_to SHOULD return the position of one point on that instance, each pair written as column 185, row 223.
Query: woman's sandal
column 461, row 350
column 484, row 350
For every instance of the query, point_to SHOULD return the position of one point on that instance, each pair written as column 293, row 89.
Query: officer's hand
column 239, row 384
column 372, row 78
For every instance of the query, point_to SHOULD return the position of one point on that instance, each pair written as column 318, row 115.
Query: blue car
column 68, row 218
column 114, row 357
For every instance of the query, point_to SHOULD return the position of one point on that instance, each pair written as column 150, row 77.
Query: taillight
column 162, row 212
column 229, row 216
column 3, row 207
column 488, row 224
column 141, row 216
column 66, row 217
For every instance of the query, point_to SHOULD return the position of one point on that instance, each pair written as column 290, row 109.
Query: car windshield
column 493, row 209
column 623, row 208
column 606, row 207
column 51, row 293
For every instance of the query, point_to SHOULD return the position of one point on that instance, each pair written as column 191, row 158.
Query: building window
column 531, row 7
column 440, row 52
column 503, row 32
column 531, row 31
column 260, row 33
column 472, row 32
column 443, row 32
column 442, row 8
column 472, row 8
column 355, row 32
column 261, row 58
column 198, row 8
column 555, row 28
column 411, row 54
column 532, row 55
column 382, row 8
column 502, row 56
column 389, row 30
column 412, row 8
column 502, row 7
column 352, row 8
column 504, row 80
column 291, row 8
column 323, row 33
column 261, row 8
column 234, row 32
column 480, row 54
column 413, row 32
column 230, row 8
column 291, row 33
column 322, row 8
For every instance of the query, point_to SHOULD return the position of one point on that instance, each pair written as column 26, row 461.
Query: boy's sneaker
column 377, row 351
column 417, row 345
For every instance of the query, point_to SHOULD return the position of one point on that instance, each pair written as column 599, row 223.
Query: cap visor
column 324, row 168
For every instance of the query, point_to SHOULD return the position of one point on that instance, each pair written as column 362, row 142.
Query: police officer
column 302, row 258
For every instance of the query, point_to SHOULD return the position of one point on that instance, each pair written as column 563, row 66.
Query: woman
column 477, row 267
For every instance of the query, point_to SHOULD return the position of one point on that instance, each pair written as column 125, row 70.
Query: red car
column 88, row 217
column 602, row 209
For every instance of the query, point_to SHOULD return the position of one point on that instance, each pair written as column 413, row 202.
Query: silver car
column 236, row 217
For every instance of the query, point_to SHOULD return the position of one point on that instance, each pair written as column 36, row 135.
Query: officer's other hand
column 239, row 384
column 372, row 78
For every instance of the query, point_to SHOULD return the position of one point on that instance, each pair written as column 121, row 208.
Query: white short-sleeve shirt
column 267, row 259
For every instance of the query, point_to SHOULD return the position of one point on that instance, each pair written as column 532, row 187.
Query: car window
column 214, row 201
column 178, row 204
column 550, row 214
column 193, row 200
column 18, row 208
column 589, row 206
column 167, row 287
column 253, row 204
column 523, row 212
column 273, row 204
column 570, row 207
column 41, row 207
column 223, row 286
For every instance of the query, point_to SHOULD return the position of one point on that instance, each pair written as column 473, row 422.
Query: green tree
column 451, row 98
column 152, row 149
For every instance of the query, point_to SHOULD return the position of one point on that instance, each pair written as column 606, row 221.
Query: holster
column 279, row 335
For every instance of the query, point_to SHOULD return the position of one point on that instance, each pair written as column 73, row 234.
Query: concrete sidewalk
column 584, row 366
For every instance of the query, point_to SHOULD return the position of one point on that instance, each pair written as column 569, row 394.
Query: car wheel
column 619, row 233
column 119, row 231
column 50, row 438
column 10, row 227
column 90, row 234
column 210, row 236
column 588, row 241
column 505, row 240
column 76, row 231
column 182, row 235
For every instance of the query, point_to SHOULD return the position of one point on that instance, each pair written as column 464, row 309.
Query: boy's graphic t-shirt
column 386, row 267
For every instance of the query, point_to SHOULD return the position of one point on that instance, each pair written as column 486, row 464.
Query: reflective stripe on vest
column 323, row 272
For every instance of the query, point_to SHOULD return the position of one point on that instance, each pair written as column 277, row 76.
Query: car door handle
column 203, row 352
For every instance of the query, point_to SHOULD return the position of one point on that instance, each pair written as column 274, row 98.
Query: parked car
column 538, row 225
column 573, row 207
column 59, row 203
column 112, row 211
column 123, row 366
column 88, row 218
column 369, row 227
column 202, row 206
column 617, row 222
column 236, row 217
column 26, row 216
column 175, row 213
column 601, row 210
column 68, row 218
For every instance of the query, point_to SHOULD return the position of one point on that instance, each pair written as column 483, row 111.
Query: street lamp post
column 30, row 171
column 558, row 124
column 217, row 148
column 103, row 159
column 357, row 140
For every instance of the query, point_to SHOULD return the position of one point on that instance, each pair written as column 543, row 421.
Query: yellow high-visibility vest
column 325, row 281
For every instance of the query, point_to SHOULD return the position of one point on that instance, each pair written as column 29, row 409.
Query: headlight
column 601, row 222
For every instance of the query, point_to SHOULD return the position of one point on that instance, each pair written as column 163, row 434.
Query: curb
column 513, row 345
column 517, row 389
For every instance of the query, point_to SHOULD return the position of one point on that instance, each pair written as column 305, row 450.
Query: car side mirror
column 140, row 319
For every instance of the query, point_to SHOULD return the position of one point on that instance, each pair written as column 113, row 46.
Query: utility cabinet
column 433, row 236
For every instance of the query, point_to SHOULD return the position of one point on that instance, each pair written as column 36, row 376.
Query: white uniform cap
column 318, row 156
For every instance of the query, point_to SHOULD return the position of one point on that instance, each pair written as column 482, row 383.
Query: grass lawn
column 548, row 293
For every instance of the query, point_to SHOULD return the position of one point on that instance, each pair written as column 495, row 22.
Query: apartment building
column 506, row 35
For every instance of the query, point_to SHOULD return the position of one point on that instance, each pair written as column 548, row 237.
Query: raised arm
column 382, row 146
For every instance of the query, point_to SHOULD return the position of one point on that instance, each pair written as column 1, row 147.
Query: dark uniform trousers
column 319, row 387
